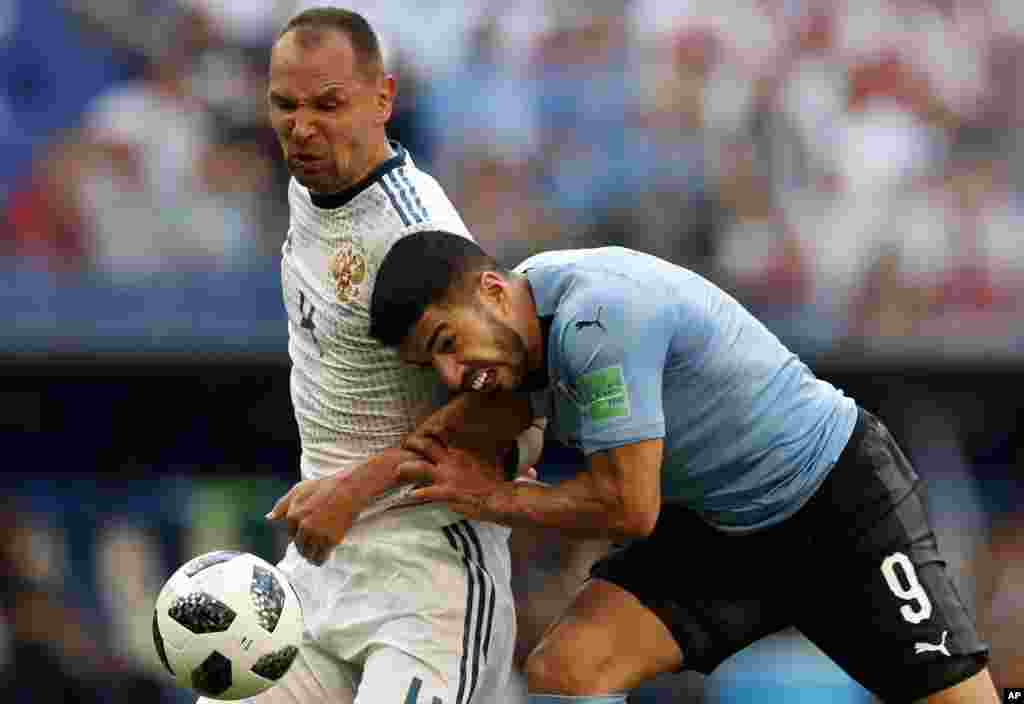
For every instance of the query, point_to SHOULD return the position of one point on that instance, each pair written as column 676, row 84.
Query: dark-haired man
column 748, row 495
column 415, row 604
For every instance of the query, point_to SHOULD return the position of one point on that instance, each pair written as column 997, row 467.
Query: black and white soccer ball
column 227, row 625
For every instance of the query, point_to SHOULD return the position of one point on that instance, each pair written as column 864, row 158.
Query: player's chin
column 313, row 185
column 517, row 380
column 314, row 182
column 500, row 385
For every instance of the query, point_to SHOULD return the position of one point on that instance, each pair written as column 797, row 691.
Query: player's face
column 328, row 112
column 471, row 347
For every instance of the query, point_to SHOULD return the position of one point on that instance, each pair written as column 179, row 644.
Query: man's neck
column 377, row 156
column 535, row 337
column 382, row 154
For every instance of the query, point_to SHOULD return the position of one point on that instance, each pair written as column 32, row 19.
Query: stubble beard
column 513, row 349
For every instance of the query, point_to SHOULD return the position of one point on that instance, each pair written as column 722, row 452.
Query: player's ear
column 386, row 90
column 493, row 289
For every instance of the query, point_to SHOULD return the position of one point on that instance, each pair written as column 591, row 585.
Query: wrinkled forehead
column 305, row 66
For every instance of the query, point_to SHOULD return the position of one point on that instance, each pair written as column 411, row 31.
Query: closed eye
column 282, row 103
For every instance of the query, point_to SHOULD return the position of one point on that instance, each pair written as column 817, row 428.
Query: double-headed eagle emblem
column 348, row 269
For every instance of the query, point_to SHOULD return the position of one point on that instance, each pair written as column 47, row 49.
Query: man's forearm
column 574, row 507
column 486, row 424
column 375, row 477
column 482, row 434
column 320, row 512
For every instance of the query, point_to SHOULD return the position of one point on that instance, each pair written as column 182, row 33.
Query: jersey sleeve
column 612, row 353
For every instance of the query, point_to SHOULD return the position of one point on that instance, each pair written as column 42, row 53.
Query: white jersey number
column 902, row 579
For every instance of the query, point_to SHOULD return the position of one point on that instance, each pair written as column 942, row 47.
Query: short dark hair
column 419, row 270
column 318, row 20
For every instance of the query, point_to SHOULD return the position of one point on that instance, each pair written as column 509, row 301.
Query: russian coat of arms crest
column 348, row 269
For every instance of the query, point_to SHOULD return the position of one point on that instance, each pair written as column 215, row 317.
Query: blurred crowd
column 850, row 169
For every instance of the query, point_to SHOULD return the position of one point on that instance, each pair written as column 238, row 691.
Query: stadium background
column 850, row 170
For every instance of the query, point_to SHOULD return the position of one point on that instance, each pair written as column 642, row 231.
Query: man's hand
column 454, row 476
column 320, row 512
column 617, row 496
column 442, row 423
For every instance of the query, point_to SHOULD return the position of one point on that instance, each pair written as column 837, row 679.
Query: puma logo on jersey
column 932, row 647
column 307, row 320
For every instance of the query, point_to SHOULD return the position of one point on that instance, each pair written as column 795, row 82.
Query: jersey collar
column 330, row 201
column 539, row 379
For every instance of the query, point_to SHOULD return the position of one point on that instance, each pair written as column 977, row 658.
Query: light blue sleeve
column 613, row 344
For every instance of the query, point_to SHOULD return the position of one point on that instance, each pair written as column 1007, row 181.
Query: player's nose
column 300, row 130
column 451, row 372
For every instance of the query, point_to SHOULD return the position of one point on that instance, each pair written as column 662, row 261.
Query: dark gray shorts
column 857, row 570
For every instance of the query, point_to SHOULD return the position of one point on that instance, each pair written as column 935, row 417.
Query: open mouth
column 304, row 161
column 483, row 379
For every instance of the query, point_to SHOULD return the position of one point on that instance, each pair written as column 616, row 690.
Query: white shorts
column 404, row 610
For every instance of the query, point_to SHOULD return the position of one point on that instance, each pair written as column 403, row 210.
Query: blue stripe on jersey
column 410, row 209
column 403, row 174
column 394, row 201
column 475, row 628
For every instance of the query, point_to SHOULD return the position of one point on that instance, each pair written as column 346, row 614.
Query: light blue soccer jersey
column 640, row 349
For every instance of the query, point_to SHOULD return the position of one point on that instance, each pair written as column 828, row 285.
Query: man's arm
column 500, row 428
column 487, row 424
column 617, row 497
column 319, row 512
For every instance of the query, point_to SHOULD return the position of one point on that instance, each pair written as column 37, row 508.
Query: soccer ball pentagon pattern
column 227, row 625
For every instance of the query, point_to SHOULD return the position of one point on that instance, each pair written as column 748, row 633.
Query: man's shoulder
column 564, row 285
column 604, row 309
column 582, row 284
column 399, row 202
column 422, row 197
column 422, row 203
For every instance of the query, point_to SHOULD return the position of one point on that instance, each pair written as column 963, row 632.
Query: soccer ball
column 227, row 624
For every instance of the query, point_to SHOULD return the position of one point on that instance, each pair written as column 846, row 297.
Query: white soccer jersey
column 353, row 397
column 418, row 599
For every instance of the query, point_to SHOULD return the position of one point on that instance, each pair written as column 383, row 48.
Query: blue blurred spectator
column 51, row 71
